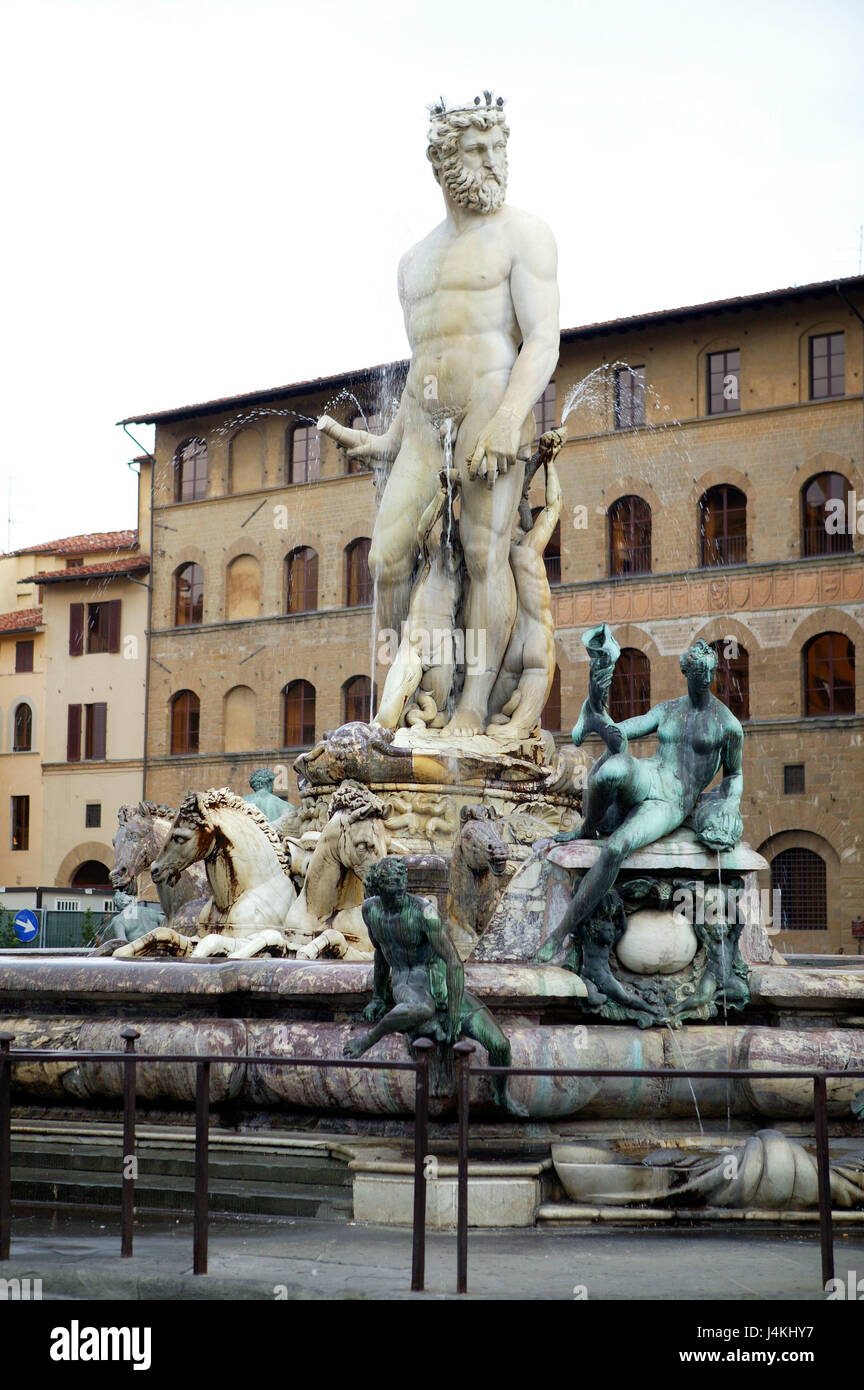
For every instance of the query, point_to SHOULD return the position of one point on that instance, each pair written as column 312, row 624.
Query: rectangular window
column 24, row 656
column 20, row 822
column 304, row 464
column 76, row 629
column 95, row 725
column 793, row 779
column 103, row 626
column 827, row 366
column 74, row 562
column 73, row 734
column 93, row 815
column 544, row 411
column 67, row 905
column 629, row 397
column 724, row 381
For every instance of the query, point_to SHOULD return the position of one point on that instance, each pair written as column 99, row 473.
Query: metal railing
column 464, row 1050
column 129, row 1060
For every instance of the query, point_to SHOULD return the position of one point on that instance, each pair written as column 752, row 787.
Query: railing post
column 202, row 1159
column 826, row 1232
column 127, row 1200
column 463, row 1052
column 422, row 1047
column 5, row 1144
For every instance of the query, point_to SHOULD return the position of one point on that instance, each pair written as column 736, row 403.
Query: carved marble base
column 425, row 778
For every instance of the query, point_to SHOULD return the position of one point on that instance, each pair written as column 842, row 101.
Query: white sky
column 206, row 197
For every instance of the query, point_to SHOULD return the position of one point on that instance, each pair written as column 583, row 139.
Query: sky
column 207, row 197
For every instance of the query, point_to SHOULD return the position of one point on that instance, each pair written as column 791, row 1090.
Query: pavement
column 77, row 1259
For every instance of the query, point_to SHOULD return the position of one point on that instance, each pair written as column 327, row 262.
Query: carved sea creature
column 139, row 839
column 247, row 869
column 477, row 867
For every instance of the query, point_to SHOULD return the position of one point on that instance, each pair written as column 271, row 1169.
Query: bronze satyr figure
column 418, row 983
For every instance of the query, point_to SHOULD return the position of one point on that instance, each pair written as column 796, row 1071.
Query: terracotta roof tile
column 82, row 545
column 24, row 620
column 132, row 565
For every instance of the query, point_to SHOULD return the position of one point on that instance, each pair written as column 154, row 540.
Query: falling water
column 683, row 1062
column 653, row 446
column 722, row 903
column 448, row 464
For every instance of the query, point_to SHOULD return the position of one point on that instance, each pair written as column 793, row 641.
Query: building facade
column 711, row 478
column 72, row 694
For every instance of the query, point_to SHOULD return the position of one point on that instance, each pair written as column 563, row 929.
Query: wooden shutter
column 97, row 716
column 24, row 656
column 76, row 629
column 73, row 732
column 114, row 625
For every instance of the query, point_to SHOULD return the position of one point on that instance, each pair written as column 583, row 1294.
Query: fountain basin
column 613, row 1182
column 796, row 1019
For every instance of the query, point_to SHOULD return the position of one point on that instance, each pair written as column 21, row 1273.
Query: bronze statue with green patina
column 630, row 802
column 418, row 980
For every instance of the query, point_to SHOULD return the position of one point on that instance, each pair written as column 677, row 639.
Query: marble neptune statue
column 479, row 296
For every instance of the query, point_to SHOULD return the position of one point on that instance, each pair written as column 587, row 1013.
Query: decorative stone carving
column 353, row 839
column 139, row 839
column 768, row 1172
column 477, row 868
column 247, row 869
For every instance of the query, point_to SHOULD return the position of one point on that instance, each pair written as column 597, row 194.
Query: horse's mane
column 222, row 798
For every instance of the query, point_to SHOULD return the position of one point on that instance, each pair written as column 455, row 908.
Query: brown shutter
column 73, row 733
column 114, row 625
column 76, row 629
column 98, row 729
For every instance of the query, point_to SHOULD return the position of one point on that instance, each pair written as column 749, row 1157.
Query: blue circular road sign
column 26, row 924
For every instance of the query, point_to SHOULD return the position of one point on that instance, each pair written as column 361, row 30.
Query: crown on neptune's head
column 488, row 101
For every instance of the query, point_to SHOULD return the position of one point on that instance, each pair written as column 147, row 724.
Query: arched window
column 551, row 716
column 732, row 678
column 185, row 716
column 723, row 526
column 190, row 471
column 824, row 529
column 238, row 719
column 22, row 737
column 629, row 536
column 302, row 456
column 358, row 580
column 630, row 692
column 244, row 588
column 357, row 699
column 799, row 874
column 188, row 595
column 829, row 675
column 301, row 580
column 298, row 700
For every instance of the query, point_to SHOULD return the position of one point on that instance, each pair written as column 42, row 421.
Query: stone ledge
column 95, row 977
column 388, row 1200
